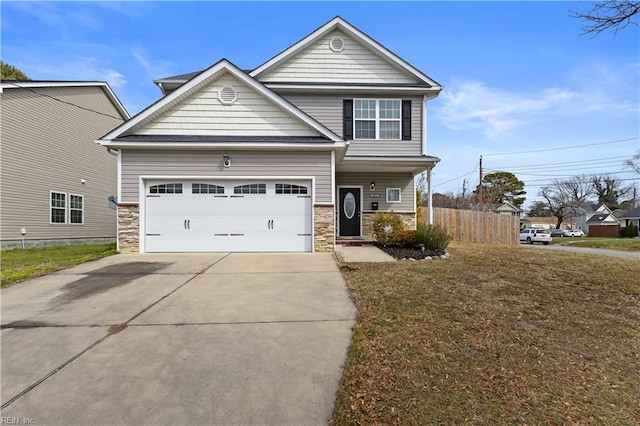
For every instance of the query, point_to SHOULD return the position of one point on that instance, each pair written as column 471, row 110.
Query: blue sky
column 517, row 76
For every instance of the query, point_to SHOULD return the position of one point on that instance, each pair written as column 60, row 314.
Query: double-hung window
column 377, row 119
column 58, row 207
column 76, row 209
column 66, row 208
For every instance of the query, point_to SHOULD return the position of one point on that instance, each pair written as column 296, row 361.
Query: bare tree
column 614, row 15
column 634, row 162
column 563, row 197
column 609, row 190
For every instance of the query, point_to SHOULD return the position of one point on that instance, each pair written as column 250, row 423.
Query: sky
column 523, row 86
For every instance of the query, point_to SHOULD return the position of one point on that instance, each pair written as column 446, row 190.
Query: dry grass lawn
column 495, row 335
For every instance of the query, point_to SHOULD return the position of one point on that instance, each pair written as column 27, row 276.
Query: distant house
column 594, row 215
column 545, row 222
column 631, row 217
column 56, row 181
column 507, row 209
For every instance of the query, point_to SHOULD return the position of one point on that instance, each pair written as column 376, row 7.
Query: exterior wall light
column 372, row 187
column 226, row 161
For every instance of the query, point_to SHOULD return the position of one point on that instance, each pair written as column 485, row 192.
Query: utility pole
column 480, row 187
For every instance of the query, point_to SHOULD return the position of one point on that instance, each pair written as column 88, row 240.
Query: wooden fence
column 478, row 227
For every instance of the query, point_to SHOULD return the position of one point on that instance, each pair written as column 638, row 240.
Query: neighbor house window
column 377, row 119
column 58, row 207
column 393, row 195
column 76, row 209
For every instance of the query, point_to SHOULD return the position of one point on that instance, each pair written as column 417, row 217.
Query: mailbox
column 374, row 205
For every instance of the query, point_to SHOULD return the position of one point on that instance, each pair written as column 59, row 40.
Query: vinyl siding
column 327, row 110
column 49, row 145
column 354, row 64
column 203, row 114
column 404, row 181
column 136, row 163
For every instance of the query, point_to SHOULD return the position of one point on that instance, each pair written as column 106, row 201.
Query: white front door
column 240, row 216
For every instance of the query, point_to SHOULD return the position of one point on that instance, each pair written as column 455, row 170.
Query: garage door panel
column 224, row 220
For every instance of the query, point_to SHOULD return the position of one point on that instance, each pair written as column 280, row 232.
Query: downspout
column 430, row 196
column 424, row 125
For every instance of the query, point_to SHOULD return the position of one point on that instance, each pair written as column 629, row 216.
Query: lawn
column 18, row 265
column 494, row 335
column 629, row 244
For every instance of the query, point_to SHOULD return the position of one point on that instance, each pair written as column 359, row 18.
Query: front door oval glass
column 349, row 205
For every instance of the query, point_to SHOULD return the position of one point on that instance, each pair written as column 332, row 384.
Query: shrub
column 632, row 230
column 386, row 226
column 433, row 237
column 406, row 238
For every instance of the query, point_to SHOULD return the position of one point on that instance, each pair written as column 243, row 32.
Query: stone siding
column 323, row 227
column 409, row 220
column 129, row 228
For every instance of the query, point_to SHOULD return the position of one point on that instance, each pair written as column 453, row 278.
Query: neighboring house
column 293, row 155
column 507, row 209
column 631, row 217
column 546, row 222
column 594, row 215
column 55, row 180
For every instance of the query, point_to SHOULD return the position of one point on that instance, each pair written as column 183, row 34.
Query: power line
column 562, row 148
column 456, row 178
column 563, row 163
column 63, row 101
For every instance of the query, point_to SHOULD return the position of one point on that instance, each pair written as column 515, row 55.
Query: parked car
column 575, row 233
column 531, row 236
column 557, row 232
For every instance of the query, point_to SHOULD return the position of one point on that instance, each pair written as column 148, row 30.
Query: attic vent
column 227, row 95
column 336, row 44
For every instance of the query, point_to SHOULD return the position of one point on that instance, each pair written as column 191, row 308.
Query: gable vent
column 336, row 44
column 227, row 95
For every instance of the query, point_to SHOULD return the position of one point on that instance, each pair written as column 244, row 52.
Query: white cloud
column 473, row 105
column 595, row 88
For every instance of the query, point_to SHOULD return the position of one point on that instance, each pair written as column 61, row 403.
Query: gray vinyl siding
column 203, row 114
column 404, row 181
column 48, row 145
column 327, row 109
column 136, row 163
column 354, row 64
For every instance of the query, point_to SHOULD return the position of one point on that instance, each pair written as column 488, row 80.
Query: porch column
column 429, row 196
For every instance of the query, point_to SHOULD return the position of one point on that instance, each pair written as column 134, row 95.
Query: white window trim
column 69, row 208
column 399, row 195
column 377, row 120
column 51, row 207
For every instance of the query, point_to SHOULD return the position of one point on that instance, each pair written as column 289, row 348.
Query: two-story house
column 56, row 182
column 293, row 155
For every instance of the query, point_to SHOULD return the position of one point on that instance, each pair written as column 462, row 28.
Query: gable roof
column 631, row 214
column 601, row 218
column 199, row 81
column 35, row 84
column 341, row 24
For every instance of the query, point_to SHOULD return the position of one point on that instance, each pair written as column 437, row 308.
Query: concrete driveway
column 177, row 339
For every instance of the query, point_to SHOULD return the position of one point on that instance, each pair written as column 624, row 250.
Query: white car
column 575, row 233
column 531, row 236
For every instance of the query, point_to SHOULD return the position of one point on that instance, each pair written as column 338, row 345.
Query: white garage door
column 210, row 216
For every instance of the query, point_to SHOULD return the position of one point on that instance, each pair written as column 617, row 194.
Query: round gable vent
column 336, row 44
column 227, row 95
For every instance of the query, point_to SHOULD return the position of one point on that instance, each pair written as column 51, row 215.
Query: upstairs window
column 377, row 119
